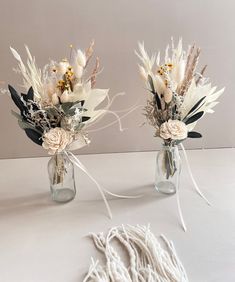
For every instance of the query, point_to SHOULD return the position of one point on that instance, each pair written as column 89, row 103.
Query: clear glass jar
column 61, row 175
column 168, row 168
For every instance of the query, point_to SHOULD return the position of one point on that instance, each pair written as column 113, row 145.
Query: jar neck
column 59, row 156
column 169, row 147
column 62, row 153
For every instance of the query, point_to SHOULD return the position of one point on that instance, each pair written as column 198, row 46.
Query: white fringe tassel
column 147, row 260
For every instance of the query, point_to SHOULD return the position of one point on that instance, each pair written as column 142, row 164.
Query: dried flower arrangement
column 60, row 102
column 59, row 106
column 180, row 95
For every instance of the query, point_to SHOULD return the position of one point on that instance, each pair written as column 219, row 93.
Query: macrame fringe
column 148, row 260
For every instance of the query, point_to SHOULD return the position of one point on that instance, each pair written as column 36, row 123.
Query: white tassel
column 147, row 259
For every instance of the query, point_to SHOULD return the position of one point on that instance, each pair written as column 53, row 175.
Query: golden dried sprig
column 191, row 65
column 94, row 72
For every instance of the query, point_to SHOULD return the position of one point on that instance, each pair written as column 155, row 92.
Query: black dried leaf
column 16, row 99
column 85, row 118
column 194, row 134
column 194, row 118
column 30, row 94
column 158, row 101
column 150, row 80
column 196, row 105
column 34, row 136
column 82, row 102
column 153, row 91
column 24, row 96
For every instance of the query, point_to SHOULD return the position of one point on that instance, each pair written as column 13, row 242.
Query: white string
column 76, row 161
column 102, row 191
column 192, row 177
column 118, row 120
column 147, row 260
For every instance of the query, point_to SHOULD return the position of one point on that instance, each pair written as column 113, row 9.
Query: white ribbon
column 195, row 186
column 192, row 177
column 178, row 202
column 102, row 191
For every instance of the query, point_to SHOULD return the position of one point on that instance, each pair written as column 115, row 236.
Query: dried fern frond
column 191, row 65
column 150, row 113
column 95, row 72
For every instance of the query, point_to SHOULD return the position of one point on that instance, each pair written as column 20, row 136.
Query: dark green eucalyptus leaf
column 196, row 105
column 16, row 99
column 24, row 124
column 194, row 118
column 78, row 127
column 66, row 106
column 194, row 134
column 34, row 136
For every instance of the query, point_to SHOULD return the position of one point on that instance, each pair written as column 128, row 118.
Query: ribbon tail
column 179, row 206
column 192, row 177
column 122, row 196
column 77, row 162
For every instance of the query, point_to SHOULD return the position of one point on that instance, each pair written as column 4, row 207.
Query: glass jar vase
column 168, row 169
column 61, row 175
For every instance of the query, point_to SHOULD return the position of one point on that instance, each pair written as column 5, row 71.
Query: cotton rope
column 148, row 260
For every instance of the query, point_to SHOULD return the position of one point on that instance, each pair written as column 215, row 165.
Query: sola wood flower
column 173, row 129
column 56, row 140
column 179, row 92
column 60, row 103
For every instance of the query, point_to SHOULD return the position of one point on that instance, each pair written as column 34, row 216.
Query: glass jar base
column 166, row 187
column 63, row 195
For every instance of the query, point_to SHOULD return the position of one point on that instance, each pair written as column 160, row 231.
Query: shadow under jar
column 61, row 175
column 168, row 169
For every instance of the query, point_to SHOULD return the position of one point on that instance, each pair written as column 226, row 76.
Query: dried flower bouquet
column 59, row 106
column 180, row 96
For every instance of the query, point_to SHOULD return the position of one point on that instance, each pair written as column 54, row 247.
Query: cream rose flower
column 173, row 129
column 56, row 140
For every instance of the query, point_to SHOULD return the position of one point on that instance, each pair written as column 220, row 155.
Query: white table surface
column 42, row 241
